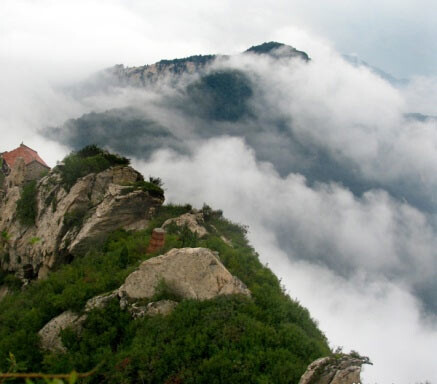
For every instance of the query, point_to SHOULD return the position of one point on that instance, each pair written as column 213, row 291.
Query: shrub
column 27, row 204
column 90, row 159
column 153, row 189
column 165, row 292
column 188, row 238
column 75, row 218
column 13, row 282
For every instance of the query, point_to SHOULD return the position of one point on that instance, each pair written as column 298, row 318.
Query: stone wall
column 35, row 171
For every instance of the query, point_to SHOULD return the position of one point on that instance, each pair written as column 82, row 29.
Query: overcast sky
column 398, row 36
column 46, row 45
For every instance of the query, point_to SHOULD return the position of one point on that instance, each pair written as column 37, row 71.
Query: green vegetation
column 179, row 65
column 27, row 205
column 265, row 47
column 75, row 218
column 34, row 240
column 90, row 159
column 222, row 95
column 267, row 338
column 153, row 189
column 270, row 47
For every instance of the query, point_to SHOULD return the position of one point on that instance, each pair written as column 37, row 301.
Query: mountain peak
column 277, row 50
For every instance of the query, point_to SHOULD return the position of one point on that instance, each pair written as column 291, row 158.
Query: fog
column 335, row 181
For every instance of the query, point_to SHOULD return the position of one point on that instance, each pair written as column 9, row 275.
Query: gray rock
column 100, row 301
column 162, row 307
column 343, row 369
column 50, row 334
column 194, row 222
column 102, row 201
column 192, row 273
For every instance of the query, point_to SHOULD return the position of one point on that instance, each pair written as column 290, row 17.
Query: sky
column 371, row 250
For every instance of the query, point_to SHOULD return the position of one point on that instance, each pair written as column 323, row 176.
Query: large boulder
column 50, row 334
column 68, row 220
column 191, row 273
column 342, row 369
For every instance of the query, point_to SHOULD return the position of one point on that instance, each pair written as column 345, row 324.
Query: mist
column 320, row 159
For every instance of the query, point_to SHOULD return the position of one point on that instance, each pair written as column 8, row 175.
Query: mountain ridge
column 236, row 330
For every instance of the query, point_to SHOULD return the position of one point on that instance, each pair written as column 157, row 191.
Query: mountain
column 139, row 291
column 357, row 62
column 201, row 97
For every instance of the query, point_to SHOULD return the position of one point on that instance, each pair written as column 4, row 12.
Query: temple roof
column 28, row 154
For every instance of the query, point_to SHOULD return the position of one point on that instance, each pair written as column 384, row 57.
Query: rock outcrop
column 66, row 221
column 50, row 333
column 161, row 307
column 191, row 273
column 194, row 222
column 343, row 369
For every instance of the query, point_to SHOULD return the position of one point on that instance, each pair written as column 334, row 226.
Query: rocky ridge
column 65, row 221
column 187, row 273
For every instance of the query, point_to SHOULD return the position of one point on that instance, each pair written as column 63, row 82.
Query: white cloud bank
column 380, row 247
column 363, row 311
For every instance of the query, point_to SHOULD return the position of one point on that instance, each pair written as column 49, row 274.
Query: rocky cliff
column 202, row 309
column 66, row 220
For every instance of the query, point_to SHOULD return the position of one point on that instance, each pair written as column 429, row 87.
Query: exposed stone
column 194, row 222
column 102, row 202
column 50, row 333
column 18, row 174
column 162, row 307
column 345, row 369
column 194, row 273
column 100, row 301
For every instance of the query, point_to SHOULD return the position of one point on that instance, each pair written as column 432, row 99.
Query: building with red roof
column 35, row 166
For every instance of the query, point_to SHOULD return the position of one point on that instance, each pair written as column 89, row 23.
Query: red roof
column 28, row 154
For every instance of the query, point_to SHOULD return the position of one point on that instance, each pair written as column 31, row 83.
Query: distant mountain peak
column 277, row 50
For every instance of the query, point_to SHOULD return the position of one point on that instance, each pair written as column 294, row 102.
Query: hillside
column 254, row 333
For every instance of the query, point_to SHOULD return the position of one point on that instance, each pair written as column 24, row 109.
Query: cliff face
column 65, row 221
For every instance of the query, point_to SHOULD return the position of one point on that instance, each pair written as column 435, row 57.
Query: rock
column 345, row 369
column 18, row 173
column 100, row 301
column 97, row 204
column 191, row 273
column 50, row 333
column 194, row 222
column 162, row 307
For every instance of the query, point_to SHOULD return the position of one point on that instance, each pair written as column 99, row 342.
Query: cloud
column 385, row 247
column 367, row 181
column 338, row 187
